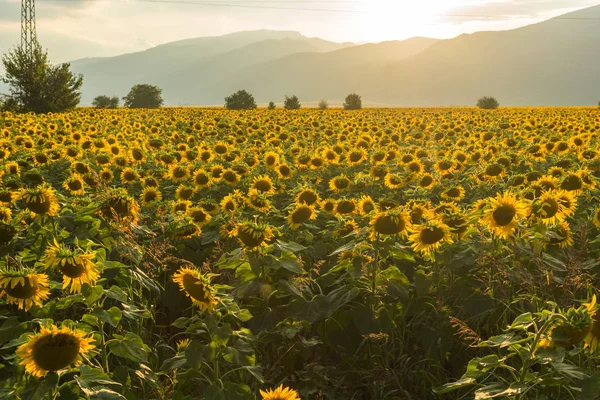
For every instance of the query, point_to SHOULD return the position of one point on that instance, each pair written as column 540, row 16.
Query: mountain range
column 554, row 62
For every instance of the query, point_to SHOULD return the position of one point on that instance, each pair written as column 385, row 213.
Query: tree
column 353, row 102
column 106, row 102
column 240, row 100
column 271, row 105
column 38, row 86
column 144, row 96
column 323, row 105
column 292, row 103
column 488, row 103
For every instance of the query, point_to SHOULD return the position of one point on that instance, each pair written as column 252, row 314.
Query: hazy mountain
column 188, row 64
column 551, row 63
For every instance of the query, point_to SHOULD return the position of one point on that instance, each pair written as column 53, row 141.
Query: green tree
column 240, row 100
column 353, row 102
column 292, row 103
column 488, row 103
column 323, row 105
column 106, row 102
column 38, row 86
column 144, row 96
column 271, row 105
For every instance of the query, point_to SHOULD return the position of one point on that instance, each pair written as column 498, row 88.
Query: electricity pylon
column 28, row 35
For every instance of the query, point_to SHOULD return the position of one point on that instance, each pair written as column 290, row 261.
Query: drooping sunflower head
column 40, row 200
column 252, row 234
column 574, row 328
column 23, row 287
column 197, row 287
column 75, row 265
column 118, row 205
column 53, row 349
column 300, row 215
column 389, row 222
column 503, row 213
column 279, row 393
column 258, row 201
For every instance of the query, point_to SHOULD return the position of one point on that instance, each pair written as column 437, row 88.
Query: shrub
column 488, row 103
column 271, row 105
column 353, row 102
column 144, row 96
column 292, row 103
column 323, row 105
column 240, row 100
column 38, row 86
column 106, row 102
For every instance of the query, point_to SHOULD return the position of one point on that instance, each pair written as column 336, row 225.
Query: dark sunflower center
column 75, row 185
column 504, row 215
column 341, row 183
column 454, row 192
column 55, row 352
column 195, row 288
column 271, row 160
column 230, row 176
column 72, row 269
column 39, row 205
column 355, row 156
column 445, row 165
column 494, row 170
column 220, row 149
column 22, row 291
column 179, row 173
column 414, row 167
column 308, row 197
column 120, row 206
column 432, row 235
column 572, row 182
column 128, row 176
column 186, row 193
column 301, row 215
column 345, row 207
column 201, row 179
column 230, row 206
column 426, row 181
column 198, row 216
column 150, row 196
column 284, row 170
column 387, row 226
column 250, row 237
column 262, row 185
column 367, row 207
column 550, row 208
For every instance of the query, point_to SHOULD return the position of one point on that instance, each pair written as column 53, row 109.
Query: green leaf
column 130, row 346
column 522, row 322
column 236, row 357
column 222, row 334
column 346, row 247
column 132, row 312
column 257, row 372
column 68, row 301
column 116, row 293
column 450, row 387
column 37, row 389
column 102, row 394
column 145, row 280
column 89, row 375
column 291, row 246
column 11, row 329
column 290, row 262
column 172, row 363
column 570, row 371
column 111, row 316
column 92, row 294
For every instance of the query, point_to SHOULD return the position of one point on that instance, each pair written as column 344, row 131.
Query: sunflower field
column 284, row 255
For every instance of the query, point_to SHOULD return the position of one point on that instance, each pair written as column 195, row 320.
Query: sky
column 73, row 29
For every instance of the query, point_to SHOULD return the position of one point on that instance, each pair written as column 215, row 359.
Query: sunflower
column 202, row 179
column 40, row 200
column 280, row 393
column 561, row 236
column 230, row 177
column 393, row 181
column 181, row 206
column 252, row 234
column 593, row 337
column 120, row 206
column 428, row 237
column 548, row 209
column 307, row 196
column 150, row 196
column 445, row 166
column 53, row 349
column 339, row 183
column 75, row 185
column 503, row 213
column 106, row 175
column 5, row 215
column 197, row 287
column 300, row 215
column 366, row 205
column 345, row 207
column 24, row 287
column 198, row 215
column 258, row 201
column 327, row 205
column 178, row 173
column 389, row 222
column 263, row 184
column 229, row 204
column 129, row 176
column 455, row 193
column 426, row 181
column 184, row 192
column 284, row 171
column 7, row 197
column 76, row 266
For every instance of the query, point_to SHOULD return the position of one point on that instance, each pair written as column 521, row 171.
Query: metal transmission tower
column 28, row 35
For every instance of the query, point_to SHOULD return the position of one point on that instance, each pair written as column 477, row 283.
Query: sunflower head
column 118, row 205
column 23, row 287
column 389, row 222
column 279, row 393
column 503, row 213
column 76, row 266
column 150, row 196
column 40, row 200
column 428, row 237
column 197, row 287
column 300, row 215
column 253, row 234
column 53, row 349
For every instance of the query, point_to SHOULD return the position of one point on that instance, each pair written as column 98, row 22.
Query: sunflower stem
column 103, row 345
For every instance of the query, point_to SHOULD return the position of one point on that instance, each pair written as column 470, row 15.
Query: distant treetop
column 240, row 100
column 144, row 96
column 488, row 103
